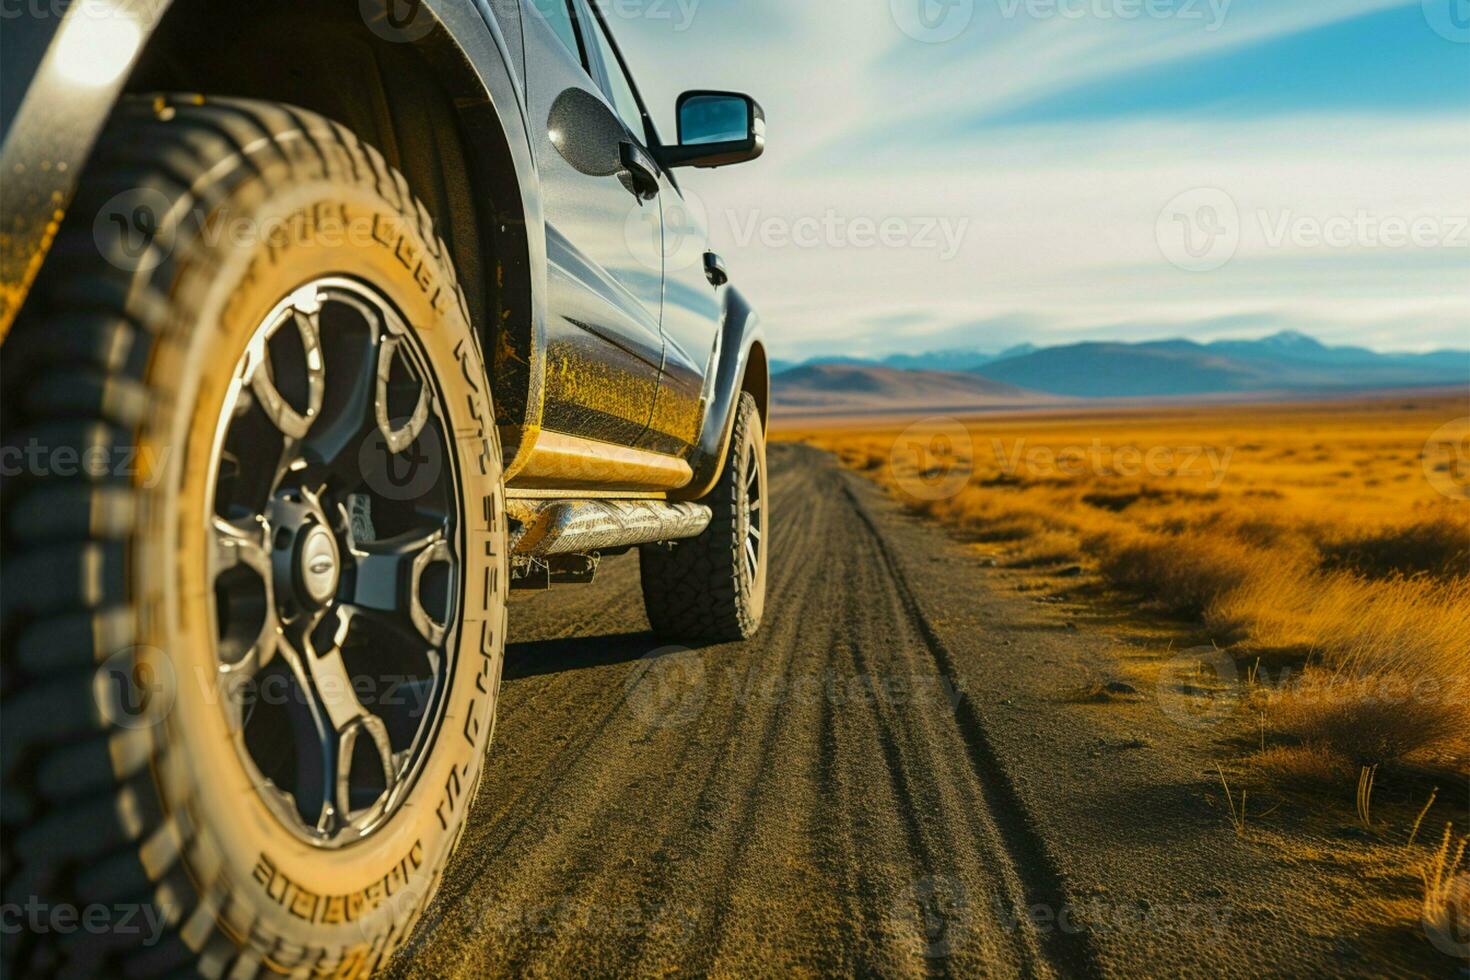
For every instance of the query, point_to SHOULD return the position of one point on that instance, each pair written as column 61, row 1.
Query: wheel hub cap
column 317, row 565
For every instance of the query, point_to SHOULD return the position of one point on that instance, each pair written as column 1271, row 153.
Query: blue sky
column 978, row 173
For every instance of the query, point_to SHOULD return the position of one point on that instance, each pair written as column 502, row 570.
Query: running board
column 585, row 527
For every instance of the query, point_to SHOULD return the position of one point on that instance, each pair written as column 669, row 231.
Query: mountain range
column 830, row 387
column 1285, row 362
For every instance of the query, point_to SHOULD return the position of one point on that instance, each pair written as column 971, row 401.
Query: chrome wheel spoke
column 397, row 439
column 390, row 577
column 261, row 377
column 347, row 718
column 240, row 545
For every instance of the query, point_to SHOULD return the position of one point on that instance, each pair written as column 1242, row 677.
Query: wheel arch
column 740, row 365
column 439, row 96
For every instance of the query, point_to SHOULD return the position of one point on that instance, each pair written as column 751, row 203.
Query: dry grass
column 1305, row 534
column 1447, row 893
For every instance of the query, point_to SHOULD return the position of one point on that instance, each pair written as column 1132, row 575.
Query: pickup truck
column 325, row 325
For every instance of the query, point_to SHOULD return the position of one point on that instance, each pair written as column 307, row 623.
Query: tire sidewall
column 756, row 441
column 290, row 901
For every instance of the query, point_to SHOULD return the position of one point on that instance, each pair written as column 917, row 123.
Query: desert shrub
column 1370, row 719
column 1437, row 546
column 1182, row 575
column 1303, row 765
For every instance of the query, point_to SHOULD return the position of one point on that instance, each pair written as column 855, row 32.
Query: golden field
column 1326, row 547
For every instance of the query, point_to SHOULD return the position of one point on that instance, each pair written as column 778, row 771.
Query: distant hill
column 955, row 359
column 1287, row 361
column 869, row 388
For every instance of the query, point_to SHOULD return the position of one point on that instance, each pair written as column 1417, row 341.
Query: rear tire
column 713, row 588
column 133, row 792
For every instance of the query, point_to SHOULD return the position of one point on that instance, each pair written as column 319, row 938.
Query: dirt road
column 885, row 781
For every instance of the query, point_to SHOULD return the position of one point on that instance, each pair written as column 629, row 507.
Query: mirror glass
column 705, row 119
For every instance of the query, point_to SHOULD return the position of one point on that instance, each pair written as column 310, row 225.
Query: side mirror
column 716, row 129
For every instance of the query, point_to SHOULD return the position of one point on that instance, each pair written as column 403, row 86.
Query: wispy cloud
column 1054, row 145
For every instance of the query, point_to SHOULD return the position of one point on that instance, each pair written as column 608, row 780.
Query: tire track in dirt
column 1029, row 859
column 812, row 801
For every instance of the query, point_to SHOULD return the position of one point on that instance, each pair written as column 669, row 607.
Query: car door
column 676, row 239
column 691, row 323
column 604, row 349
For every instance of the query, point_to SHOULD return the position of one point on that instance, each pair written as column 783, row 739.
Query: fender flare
column 740, row 365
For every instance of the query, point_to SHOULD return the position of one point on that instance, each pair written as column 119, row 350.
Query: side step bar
column 583, row 527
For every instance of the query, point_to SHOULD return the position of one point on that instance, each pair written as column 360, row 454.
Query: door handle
column 642, row 171
column 714, row 269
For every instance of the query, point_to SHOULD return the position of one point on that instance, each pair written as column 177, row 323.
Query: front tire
column 254, row 608
column 713, row 588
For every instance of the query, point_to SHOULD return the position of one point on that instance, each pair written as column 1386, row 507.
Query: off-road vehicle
column 325, row 324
